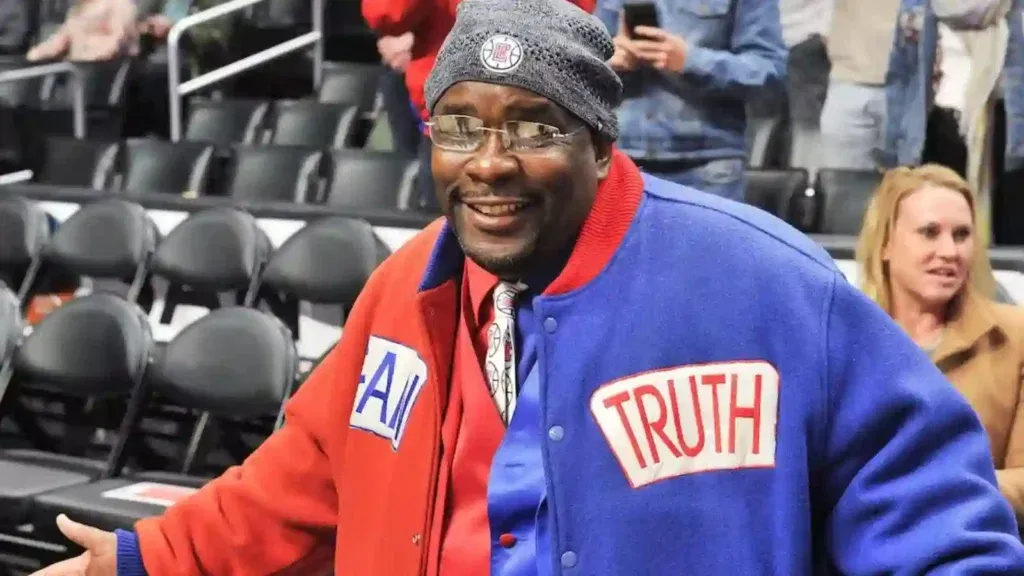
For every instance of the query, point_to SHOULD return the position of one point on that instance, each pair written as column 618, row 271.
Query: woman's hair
column 880, row 218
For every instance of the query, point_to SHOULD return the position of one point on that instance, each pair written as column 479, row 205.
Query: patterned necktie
column 501, row 350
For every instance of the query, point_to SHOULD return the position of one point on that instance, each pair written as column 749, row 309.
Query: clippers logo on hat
column 501, row 53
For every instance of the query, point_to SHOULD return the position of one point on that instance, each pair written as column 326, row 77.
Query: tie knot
column 505, row 294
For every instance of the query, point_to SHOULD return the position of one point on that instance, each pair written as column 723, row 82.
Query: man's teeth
column 499, row 209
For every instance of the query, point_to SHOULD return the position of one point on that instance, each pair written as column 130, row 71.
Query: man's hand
column 623, row 60
column 99, row 558
column 396, row 50
column 660, row 49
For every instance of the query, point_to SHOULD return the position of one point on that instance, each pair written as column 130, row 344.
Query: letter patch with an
column 690, row 419
column 391, row 380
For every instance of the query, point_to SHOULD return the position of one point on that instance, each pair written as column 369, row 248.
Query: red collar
column 618, row 198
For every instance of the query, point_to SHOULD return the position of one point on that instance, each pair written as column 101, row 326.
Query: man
column 687, row 84
column 424, row 23
column 687, row 383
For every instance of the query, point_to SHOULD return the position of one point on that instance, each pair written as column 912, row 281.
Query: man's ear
column 603, row 154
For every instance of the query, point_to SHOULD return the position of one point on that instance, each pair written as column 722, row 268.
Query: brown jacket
column 982, row 354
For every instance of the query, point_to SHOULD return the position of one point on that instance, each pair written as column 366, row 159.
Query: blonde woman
column 922, row 260
column 94, row 31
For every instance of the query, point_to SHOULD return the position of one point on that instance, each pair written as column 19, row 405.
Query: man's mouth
column 504, row 208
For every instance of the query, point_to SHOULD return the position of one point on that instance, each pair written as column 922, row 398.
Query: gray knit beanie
column 550, row 47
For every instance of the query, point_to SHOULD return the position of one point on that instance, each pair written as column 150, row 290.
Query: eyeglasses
column 467, row 134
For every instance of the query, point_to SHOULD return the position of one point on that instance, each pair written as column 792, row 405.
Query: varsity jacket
column 727, row 404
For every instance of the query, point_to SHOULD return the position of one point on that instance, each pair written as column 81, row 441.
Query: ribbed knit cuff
column 129, row 558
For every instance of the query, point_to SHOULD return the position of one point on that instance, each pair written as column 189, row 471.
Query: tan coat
column 95, row 30
column 982, row 354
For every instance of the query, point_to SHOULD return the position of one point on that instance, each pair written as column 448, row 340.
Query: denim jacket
column 735, row 53
column 909, row 93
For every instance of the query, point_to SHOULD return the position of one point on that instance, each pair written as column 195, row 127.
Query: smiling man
column 585, row 370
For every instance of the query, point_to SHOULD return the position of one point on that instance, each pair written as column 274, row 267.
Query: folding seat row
column 226, row 123
column 834, row 203
column 235, row 362
column 216, row 251
column 193, row 372
column 343, row 178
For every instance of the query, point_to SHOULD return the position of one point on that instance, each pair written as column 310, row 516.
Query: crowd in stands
column 922, row 98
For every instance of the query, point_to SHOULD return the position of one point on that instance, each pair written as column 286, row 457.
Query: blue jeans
column 726, row 177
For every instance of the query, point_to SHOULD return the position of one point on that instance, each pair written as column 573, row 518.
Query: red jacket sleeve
column 277, row 512
column 396, row 17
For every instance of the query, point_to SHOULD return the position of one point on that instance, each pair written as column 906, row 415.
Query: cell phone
column 644, row 14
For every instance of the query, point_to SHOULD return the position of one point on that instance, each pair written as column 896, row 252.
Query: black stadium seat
column 313, row 124
column 350, row 84
column 235, row 363
column 275, row 174
column 368, row 179
column 11, row 324
column 225, row 123
column 24, row 233
column 843, row 196
column 151, row 166
column 297, row 272
column 80, row 163
column 96, row 346
column 107, row 239
column 775, row 191
column 212, row 252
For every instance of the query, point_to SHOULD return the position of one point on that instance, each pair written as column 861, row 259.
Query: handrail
column 77, row 86
column 176, row 89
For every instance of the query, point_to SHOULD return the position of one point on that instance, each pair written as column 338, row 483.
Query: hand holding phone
column 641, row 14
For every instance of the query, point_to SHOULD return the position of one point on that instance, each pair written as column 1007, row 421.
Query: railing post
column 318, row 48
column 78, row 101
column 174, row 81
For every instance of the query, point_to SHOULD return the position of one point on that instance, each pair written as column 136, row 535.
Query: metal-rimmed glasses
column 459, row 133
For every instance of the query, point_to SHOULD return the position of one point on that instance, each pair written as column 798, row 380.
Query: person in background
column 805, row 28
column 992, row 35
column 429, row 22
column 688, row 82
column 922, row 260
column 148, row 111
column 93, row 31
column 403, row 115
column 853, row 117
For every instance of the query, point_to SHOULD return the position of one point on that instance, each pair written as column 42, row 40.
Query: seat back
column 367, row 179
column 11, row 322
column 95, row 345
column 79, row 163
column 105, row 84
column 158, row 167
column 843, row 196
column 24, row 232
column 225, row 123
column 109, row 238
column 775, row 190
column 297, row 267
column 275, row 174
column 233, row 362
column 313, row 124
column 350, row 84
column 222, row 249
